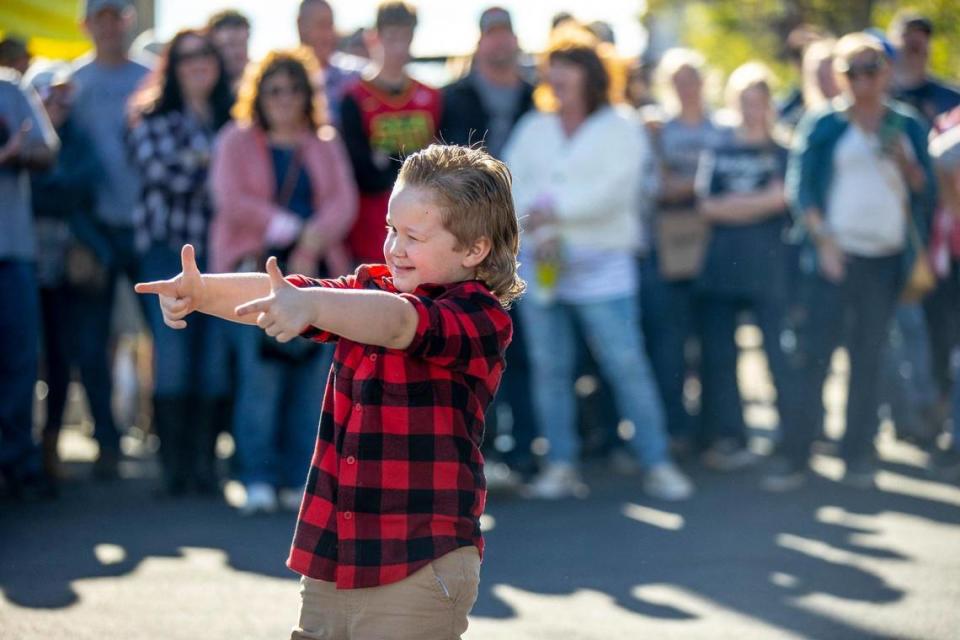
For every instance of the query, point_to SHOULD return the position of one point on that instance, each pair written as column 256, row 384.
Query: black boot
column 204, row 429
column 169, row 424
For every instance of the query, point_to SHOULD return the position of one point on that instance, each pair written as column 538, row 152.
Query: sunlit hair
column 572, row 43
column 852, row 45
column 161, row 92
column 747, row 76
column 301, row 66
column 815, row 54
column 672, row 62
column 474, row 192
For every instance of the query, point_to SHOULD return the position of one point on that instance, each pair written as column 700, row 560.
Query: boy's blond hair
column 474, row 191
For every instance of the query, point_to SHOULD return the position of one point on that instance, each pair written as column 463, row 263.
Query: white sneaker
column 290, row 499
column 500, row 477
column 558, row 480
column 728, row 455
column 261, row 498
column 666, row 482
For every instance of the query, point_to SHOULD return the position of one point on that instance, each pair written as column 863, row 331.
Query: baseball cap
column 495, row 17
column 92, row 7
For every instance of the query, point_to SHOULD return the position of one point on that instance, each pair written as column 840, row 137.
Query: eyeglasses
column 277, row 91
column 869, row 70
column 195, row 54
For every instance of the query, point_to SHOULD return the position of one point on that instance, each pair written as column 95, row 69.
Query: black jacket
column 465, row 120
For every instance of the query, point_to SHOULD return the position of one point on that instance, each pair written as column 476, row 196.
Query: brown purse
column 921, row 280
column 682, row 239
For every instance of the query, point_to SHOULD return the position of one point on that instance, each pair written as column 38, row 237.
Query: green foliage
column 731, row 32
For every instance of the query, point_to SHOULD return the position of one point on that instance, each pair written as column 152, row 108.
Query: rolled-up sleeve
column 466, row 333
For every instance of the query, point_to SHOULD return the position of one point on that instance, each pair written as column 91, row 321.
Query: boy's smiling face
column 419, row 249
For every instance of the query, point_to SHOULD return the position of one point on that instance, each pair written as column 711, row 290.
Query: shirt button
column 358, row 407
column 373, row 357
column 347, row 515
column 351, row 460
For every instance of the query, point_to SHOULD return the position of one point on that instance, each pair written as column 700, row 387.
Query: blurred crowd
column 657, row 223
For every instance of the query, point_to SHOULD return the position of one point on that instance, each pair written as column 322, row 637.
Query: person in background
column 740, row 192
column 910, row 34
column 384, row 116
column 945, row 151
column 793, row 105
column 574, row 173
column 338, row 70
column 481, row 109
column 639, row 89
column 62, row 198
column 859, row 178
column 27, row 142
column 667, row 314
column 176, row 115
column 104, row 81
column 930, row 330
column 230, row 32
column 281, row 186
column 818, row 84
column 14, row 54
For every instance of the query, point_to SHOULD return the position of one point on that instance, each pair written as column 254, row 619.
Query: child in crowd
column 388, row 538
column 384, row 116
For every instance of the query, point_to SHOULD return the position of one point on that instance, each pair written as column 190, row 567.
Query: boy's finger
column 277, row 280
column 160, row 287
column 261, row 305
column 174, row 324
column 188, row 259
column 285, row 337
column 264, row 321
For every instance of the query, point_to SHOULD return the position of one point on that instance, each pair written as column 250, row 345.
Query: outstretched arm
column 213, row 294
column 370, row 317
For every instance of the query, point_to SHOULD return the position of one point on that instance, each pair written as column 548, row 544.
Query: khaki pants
column 431, row 604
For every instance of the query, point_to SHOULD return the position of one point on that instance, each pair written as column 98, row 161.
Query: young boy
column 384, row 116
column 388, row 539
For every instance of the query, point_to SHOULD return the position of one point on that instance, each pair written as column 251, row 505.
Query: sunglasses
column 869, row 70
column 278, row 91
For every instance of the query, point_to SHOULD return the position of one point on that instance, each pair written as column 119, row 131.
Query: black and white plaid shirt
column 171, row 151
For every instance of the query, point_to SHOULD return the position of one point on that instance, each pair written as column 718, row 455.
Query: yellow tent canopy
column 51, row 28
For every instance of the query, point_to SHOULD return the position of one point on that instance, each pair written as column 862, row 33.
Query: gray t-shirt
column 680, row 145
column 99, row 110
column 19, row 105
column 501, row 105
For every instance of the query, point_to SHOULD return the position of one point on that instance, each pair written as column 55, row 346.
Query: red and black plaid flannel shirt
column 396, row 479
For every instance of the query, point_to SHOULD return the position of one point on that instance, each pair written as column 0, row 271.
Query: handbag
column 921, row 280
column 682, row 236
column 83, row 270
column 298, row 350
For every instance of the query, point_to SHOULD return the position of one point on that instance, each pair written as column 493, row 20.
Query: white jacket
column 593, row 178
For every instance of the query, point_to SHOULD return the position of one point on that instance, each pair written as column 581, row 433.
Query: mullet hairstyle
column 474, row 192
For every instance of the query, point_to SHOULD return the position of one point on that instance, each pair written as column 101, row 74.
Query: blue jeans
column 612, row 332
column 907, row 382
column 277, row 411
column 19, row 355
column 190, row 361
column 668, row 324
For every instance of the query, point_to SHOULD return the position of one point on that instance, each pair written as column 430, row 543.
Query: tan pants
column 431, row 604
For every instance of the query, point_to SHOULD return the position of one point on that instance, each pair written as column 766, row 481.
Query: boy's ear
column 477, row 252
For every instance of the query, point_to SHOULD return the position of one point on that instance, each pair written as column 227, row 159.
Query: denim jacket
column 810, row 170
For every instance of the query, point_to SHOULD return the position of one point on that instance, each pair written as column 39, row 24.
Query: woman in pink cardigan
column 282, row 186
